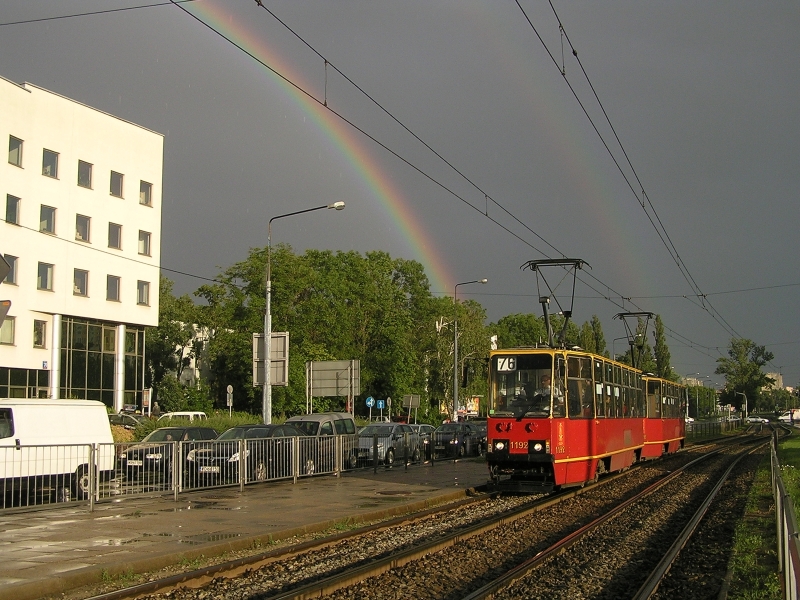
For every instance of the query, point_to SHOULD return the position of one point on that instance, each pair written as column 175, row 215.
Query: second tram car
column 560, row 418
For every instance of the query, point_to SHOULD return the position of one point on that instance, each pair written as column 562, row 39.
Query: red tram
column 562, row 417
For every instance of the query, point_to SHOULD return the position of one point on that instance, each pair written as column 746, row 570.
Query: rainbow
column 342, row 137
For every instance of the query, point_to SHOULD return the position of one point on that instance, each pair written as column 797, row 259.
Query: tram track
column 323, row 566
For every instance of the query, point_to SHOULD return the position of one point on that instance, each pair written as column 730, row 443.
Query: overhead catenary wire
column 614, row 297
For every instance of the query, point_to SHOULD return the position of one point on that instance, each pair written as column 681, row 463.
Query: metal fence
column 709, row 428
column 55, row 475
column 786, row 523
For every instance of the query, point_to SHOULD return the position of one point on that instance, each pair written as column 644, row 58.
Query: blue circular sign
column 370, row 401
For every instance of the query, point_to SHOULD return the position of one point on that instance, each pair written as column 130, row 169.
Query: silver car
column 394, row 441
column 425, row 433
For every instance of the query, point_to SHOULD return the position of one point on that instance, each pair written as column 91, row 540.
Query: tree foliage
column 743, row 374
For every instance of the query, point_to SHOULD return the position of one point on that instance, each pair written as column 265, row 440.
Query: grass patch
column 754, row 564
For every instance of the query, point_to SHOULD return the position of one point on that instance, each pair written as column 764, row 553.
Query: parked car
column 756, row 419
column 152, row 457
column 324, row 427
column 456, row 439
column 395, row 440
column 482, row 433
column 425, row 434
column 268, row 455
column 126, row 420
column 189, row 415
column 689, row 419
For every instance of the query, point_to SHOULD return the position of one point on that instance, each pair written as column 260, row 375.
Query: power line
column 644, row 201
column 95, row 12
column 323, row 104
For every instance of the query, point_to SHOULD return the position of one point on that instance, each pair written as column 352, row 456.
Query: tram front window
column 521, row 385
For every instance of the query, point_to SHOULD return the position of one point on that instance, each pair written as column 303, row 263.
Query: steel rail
column 232, row 568
column 562, row 545
column 649, row 587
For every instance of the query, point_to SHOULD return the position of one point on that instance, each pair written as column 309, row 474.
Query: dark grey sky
column 704, row 97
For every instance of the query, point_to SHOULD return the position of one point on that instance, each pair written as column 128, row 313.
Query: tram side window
column 653, row 399
column 637, row 389
column 6, row 423
column 580, row 396
column 598, row 389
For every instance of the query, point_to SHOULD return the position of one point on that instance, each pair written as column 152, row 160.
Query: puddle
column 394, row 493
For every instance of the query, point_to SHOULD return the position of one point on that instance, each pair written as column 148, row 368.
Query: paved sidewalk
column 49, row 551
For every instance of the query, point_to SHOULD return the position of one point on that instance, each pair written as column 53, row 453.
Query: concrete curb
column 31, row 590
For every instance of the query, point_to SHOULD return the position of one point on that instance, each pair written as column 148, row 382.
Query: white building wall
column 45, row 120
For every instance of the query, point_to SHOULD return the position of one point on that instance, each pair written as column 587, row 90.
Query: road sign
column 370, row 401
column 411, row 401
column 381, row 404
column 279, row 357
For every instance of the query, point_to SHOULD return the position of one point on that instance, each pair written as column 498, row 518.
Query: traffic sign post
column 230, row 400
column 381, row 404
column 370, row 404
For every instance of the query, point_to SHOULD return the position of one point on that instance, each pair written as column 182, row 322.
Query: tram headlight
column 499, row 445
column 537, row 447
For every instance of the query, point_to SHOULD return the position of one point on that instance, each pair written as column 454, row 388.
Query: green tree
column 517, row 330
column 661, row 352
column 170, row 347
column 743, row 374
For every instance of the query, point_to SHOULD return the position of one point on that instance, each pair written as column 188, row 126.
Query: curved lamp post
column 455, row 343
column 266, row 397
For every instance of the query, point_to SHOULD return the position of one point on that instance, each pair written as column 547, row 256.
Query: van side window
column 326, row 429
column 344, row 426
column 6, row 423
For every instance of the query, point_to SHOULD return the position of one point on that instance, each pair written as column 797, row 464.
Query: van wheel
column 461, row 451
column 415, row 456
column 389, row 457
column 260, row 473
column 310, row 467
column 80, row 486
column 353, row 461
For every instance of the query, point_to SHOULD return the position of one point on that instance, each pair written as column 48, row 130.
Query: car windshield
column 234, row 433
column 375, row 430
column 307, row 427
column 449, row 428
column 164, row 435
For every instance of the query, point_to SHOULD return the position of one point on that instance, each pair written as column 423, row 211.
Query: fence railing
column 786, row 524
column 706, row 428
column 54, row 475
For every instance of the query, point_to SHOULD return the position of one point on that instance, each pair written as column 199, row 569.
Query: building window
column 39, row 334
column 116, row 184
column 80, row 283
column 143, row 293
column 47, row 219
column 115, row 236
column 50, row 163
column 7, row 331
column 145, row 193
column 82, row 224
column 15, row 151
column 144, row 242
column 84, row 174
column 12, row 209
column 44, row 279
column 12, row 272
column 112, row 288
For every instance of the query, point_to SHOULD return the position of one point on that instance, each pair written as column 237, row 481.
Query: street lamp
column 455, row 344
column 742, row 394
column 266, row 397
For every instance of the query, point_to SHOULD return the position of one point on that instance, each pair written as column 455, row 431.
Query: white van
column 46, row 446
column 793, row 414
column 188, row 415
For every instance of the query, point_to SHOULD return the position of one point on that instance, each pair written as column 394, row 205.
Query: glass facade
column 24, row 383
column 87, row 361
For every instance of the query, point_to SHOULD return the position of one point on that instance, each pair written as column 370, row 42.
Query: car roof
column 319, row 417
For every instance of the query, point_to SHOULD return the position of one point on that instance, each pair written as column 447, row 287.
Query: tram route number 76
column 506, row 363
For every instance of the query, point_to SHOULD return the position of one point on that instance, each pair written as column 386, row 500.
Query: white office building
column 81, row 193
